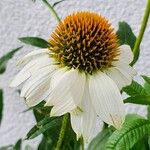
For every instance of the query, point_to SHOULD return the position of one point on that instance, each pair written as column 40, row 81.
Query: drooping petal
column 106, row 99
column 121, row 79
column 36, row 79
column 29, row 69
column 83, row 122
column 126, row 54
column 126, row 69
column 35, row 53
column 62, row 96
column 76, row 122
column 39, row 93
column 89, row 118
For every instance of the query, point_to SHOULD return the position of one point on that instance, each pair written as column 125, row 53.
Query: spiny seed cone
column 85, row 41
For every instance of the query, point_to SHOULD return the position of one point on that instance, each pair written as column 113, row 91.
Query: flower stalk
column 51, row 9
column 141, row 32
column 82, row 143
column 62, row 131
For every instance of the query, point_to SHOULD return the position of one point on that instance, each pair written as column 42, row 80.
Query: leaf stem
column 62, row 131
column 51, row 9
column 142, row 30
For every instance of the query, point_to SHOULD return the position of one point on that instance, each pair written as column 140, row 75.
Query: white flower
column 86, row 85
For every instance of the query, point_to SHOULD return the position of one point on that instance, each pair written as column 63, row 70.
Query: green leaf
column 146, row 78
column 35, row 41
column 4, row 59
column 1, row 104
column 133, row 130
column 56, row 3
column 140, row 145
column 147, row 88
column 99, row 142
column 134, row 89
column 18, row 145
column 147, row 83
column 45, row 144
column 126, row 36
column 139, row 99
column 28, row 147
column 9, row 147
column 48, row 123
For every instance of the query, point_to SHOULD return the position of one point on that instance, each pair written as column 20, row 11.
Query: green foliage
column 4, row 59
column 45, row 144
column 146, row 78
column 28, row 147
column 126, row 36
column 139, row 99
column 147, row 88
column 18, row 145
column 9, row 147
column 35, row 41
column 133, row 130
column 1, row 104
column 100, row 140
column 140, row 145
column 56, row 3
column 134, row 89
column 48, row 123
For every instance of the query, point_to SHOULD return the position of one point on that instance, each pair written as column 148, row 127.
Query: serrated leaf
column 134, row 89
column 4, row 59
column 134, row 129
column 126, row 36
column 35, row 41
column 18, row 145
column 1, row 105
column 46, row 124
column 139, row 99
column 140, row 145
column 146, row 78
column 99, row 142
column 56, row 3
column 147, row 88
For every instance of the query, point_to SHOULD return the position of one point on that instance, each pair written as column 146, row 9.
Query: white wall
column 24, row 18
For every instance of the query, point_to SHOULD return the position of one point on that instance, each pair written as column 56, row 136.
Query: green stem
column 82, row 143
column 51, row 9
column 142, row 30
column 62, row 131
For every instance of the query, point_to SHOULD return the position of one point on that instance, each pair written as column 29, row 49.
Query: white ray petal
column 29, row 69
column 62, row 96
column 57, row 76
column 76, row 123
column 126, row 54
column 106, row 99
column 126, row 69
column 36, row 79
column 83, row 122
column 35, row 53
column 89, row 116
column 119, row 77
column 39, row 93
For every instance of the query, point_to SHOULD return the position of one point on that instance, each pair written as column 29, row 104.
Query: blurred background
column 19, row 18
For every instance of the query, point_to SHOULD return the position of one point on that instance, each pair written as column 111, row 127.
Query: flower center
column 85, row 41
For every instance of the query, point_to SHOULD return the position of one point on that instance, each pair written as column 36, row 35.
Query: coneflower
column 81, row 73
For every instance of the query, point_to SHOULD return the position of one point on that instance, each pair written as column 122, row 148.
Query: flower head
column 81, row 73
column 85, row 41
